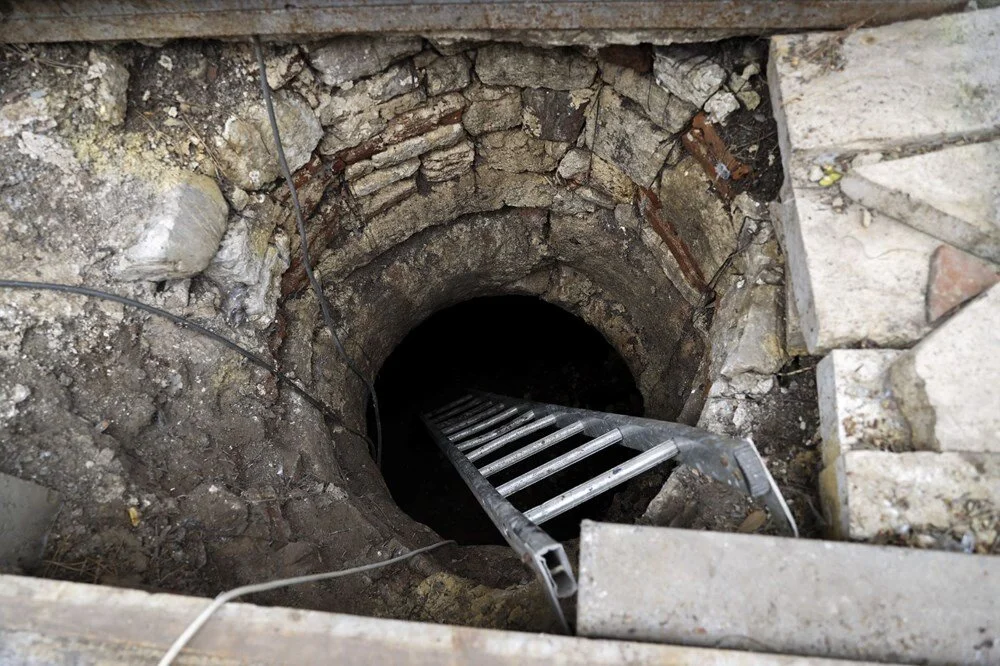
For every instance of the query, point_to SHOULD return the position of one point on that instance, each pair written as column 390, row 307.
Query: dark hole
column 513, row 345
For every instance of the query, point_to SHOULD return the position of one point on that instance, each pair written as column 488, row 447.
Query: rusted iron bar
column 93, row 20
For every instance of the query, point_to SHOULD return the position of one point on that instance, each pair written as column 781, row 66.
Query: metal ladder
column 479, row 424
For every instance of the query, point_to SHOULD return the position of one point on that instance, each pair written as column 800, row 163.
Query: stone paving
column 889, row 220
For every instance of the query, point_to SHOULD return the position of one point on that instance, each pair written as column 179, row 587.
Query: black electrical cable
column 303, row 242
column 180, row 321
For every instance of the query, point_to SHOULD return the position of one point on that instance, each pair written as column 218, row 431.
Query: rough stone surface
column 952, row 194
column 609, row 179
column 383, row 177
column 759, row 346
column 712, row 589
column 349, row 58
column 489, row 113
column 448, row 163
column 667, row 111
column 930, row 80
column 955, row 278
column 947, row 385
column 447, row 74
column 555, row 115
column 182, row 232
column 442, row 137
column 721, row 105
column 246, row 146
column 110, row 100
column 514, row 65
column 857, row 409
column 574, row 165
column 26, row 513
column 516, row 151
column 870, row 494
column 685, row 73
column 626, row 138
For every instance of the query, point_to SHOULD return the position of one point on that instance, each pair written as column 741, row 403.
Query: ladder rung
column 597, row 485
column 483, row 425
column 482, row 439
column 441, row 411
column 461, row 412
column 533, row 448
column 543, row 422
column 475, row 417
column 560, row 463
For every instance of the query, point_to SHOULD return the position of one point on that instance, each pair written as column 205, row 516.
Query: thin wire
column 303, row 242
column 182, row 322
column 218, row 602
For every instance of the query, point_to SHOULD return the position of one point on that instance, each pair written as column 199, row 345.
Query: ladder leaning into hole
column 479, row 424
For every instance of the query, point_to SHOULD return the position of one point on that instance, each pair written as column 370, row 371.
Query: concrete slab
column 45, row 622
column 800, row 596
column 952, row 194
column 857, row 411
column 908, row 83
column 26, row 513
column 869, row 493
column 856, row 277
column 948, row 386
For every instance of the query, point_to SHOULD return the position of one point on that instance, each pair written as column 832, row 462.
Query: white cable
column 218, row 602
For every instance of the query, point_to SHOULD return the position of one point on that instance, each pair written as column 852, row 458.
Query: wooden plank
column 60, row 623
column 91, row 20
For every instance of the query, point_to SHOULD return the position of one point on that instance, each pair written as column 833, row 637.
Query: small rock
column 112, row 87
column 181, row 234
column 447, row 74
column 750, row 99
column 682, row 71
column 166, row 62
column 247, row 269
column 574, row 165
column 350, row 58
column 720, row 105
column 283, row 67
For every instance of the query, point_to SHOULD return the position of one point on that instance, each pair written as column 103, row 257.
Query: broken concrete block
column 448, row 163
column 528, row 67
column 952, row 194
column 629, row 140
column 955, row 278
column 856, row 407
column 26, row 513
column 948, row 386
column 349, row 58
column 246, row 147
column 930, row 81
column 111, row 94
column 690, row 76
column 555, row 115
column 854, row 283
column 868, row 493
column 789, row 596
column 181, row 234
column 447, row 74
column 515, row 151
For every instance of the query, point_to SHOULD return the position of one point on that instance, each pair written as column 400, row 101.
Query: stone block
column 111, row 94
column 515, row 151
column 955, row 278
column 388, row 196
column 182, row 232
column 857, row 278
column 26, row 513
column 948, row 386
column 857, row 410
column 929, row 80
column 447, row 74
column 629, row 140
column 555, row 115
column 756, row 344
column 952, row 194
column 529, row 67
column 870, row 493
column 794, row 596
column 376, row 180
column 350, row 58
column 448, row 163
column 574, row 165
column 720, row 105
column 682, row 71
column 667, row 111
column 609, row 179
column 441, row 137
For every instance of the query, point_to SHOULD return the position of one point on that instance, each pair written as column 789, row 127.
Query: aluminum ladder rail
column 479, row 424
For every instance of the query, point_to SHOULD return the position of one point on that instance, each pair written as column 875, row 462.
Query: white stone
column 376, row 180
column 915, row 82
column 866, row 493
column 852, row 283
column 949, row 384
column 666, row 110
column 628, row 139
column 574, row 165
column 441, row 137
column 856, row 407
column 350, row 58
column 692, row 77
column 758, row 341
column 448, row 163
column 529, row 67
column 952, row 194
column 182, row 233
column 721, row 105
